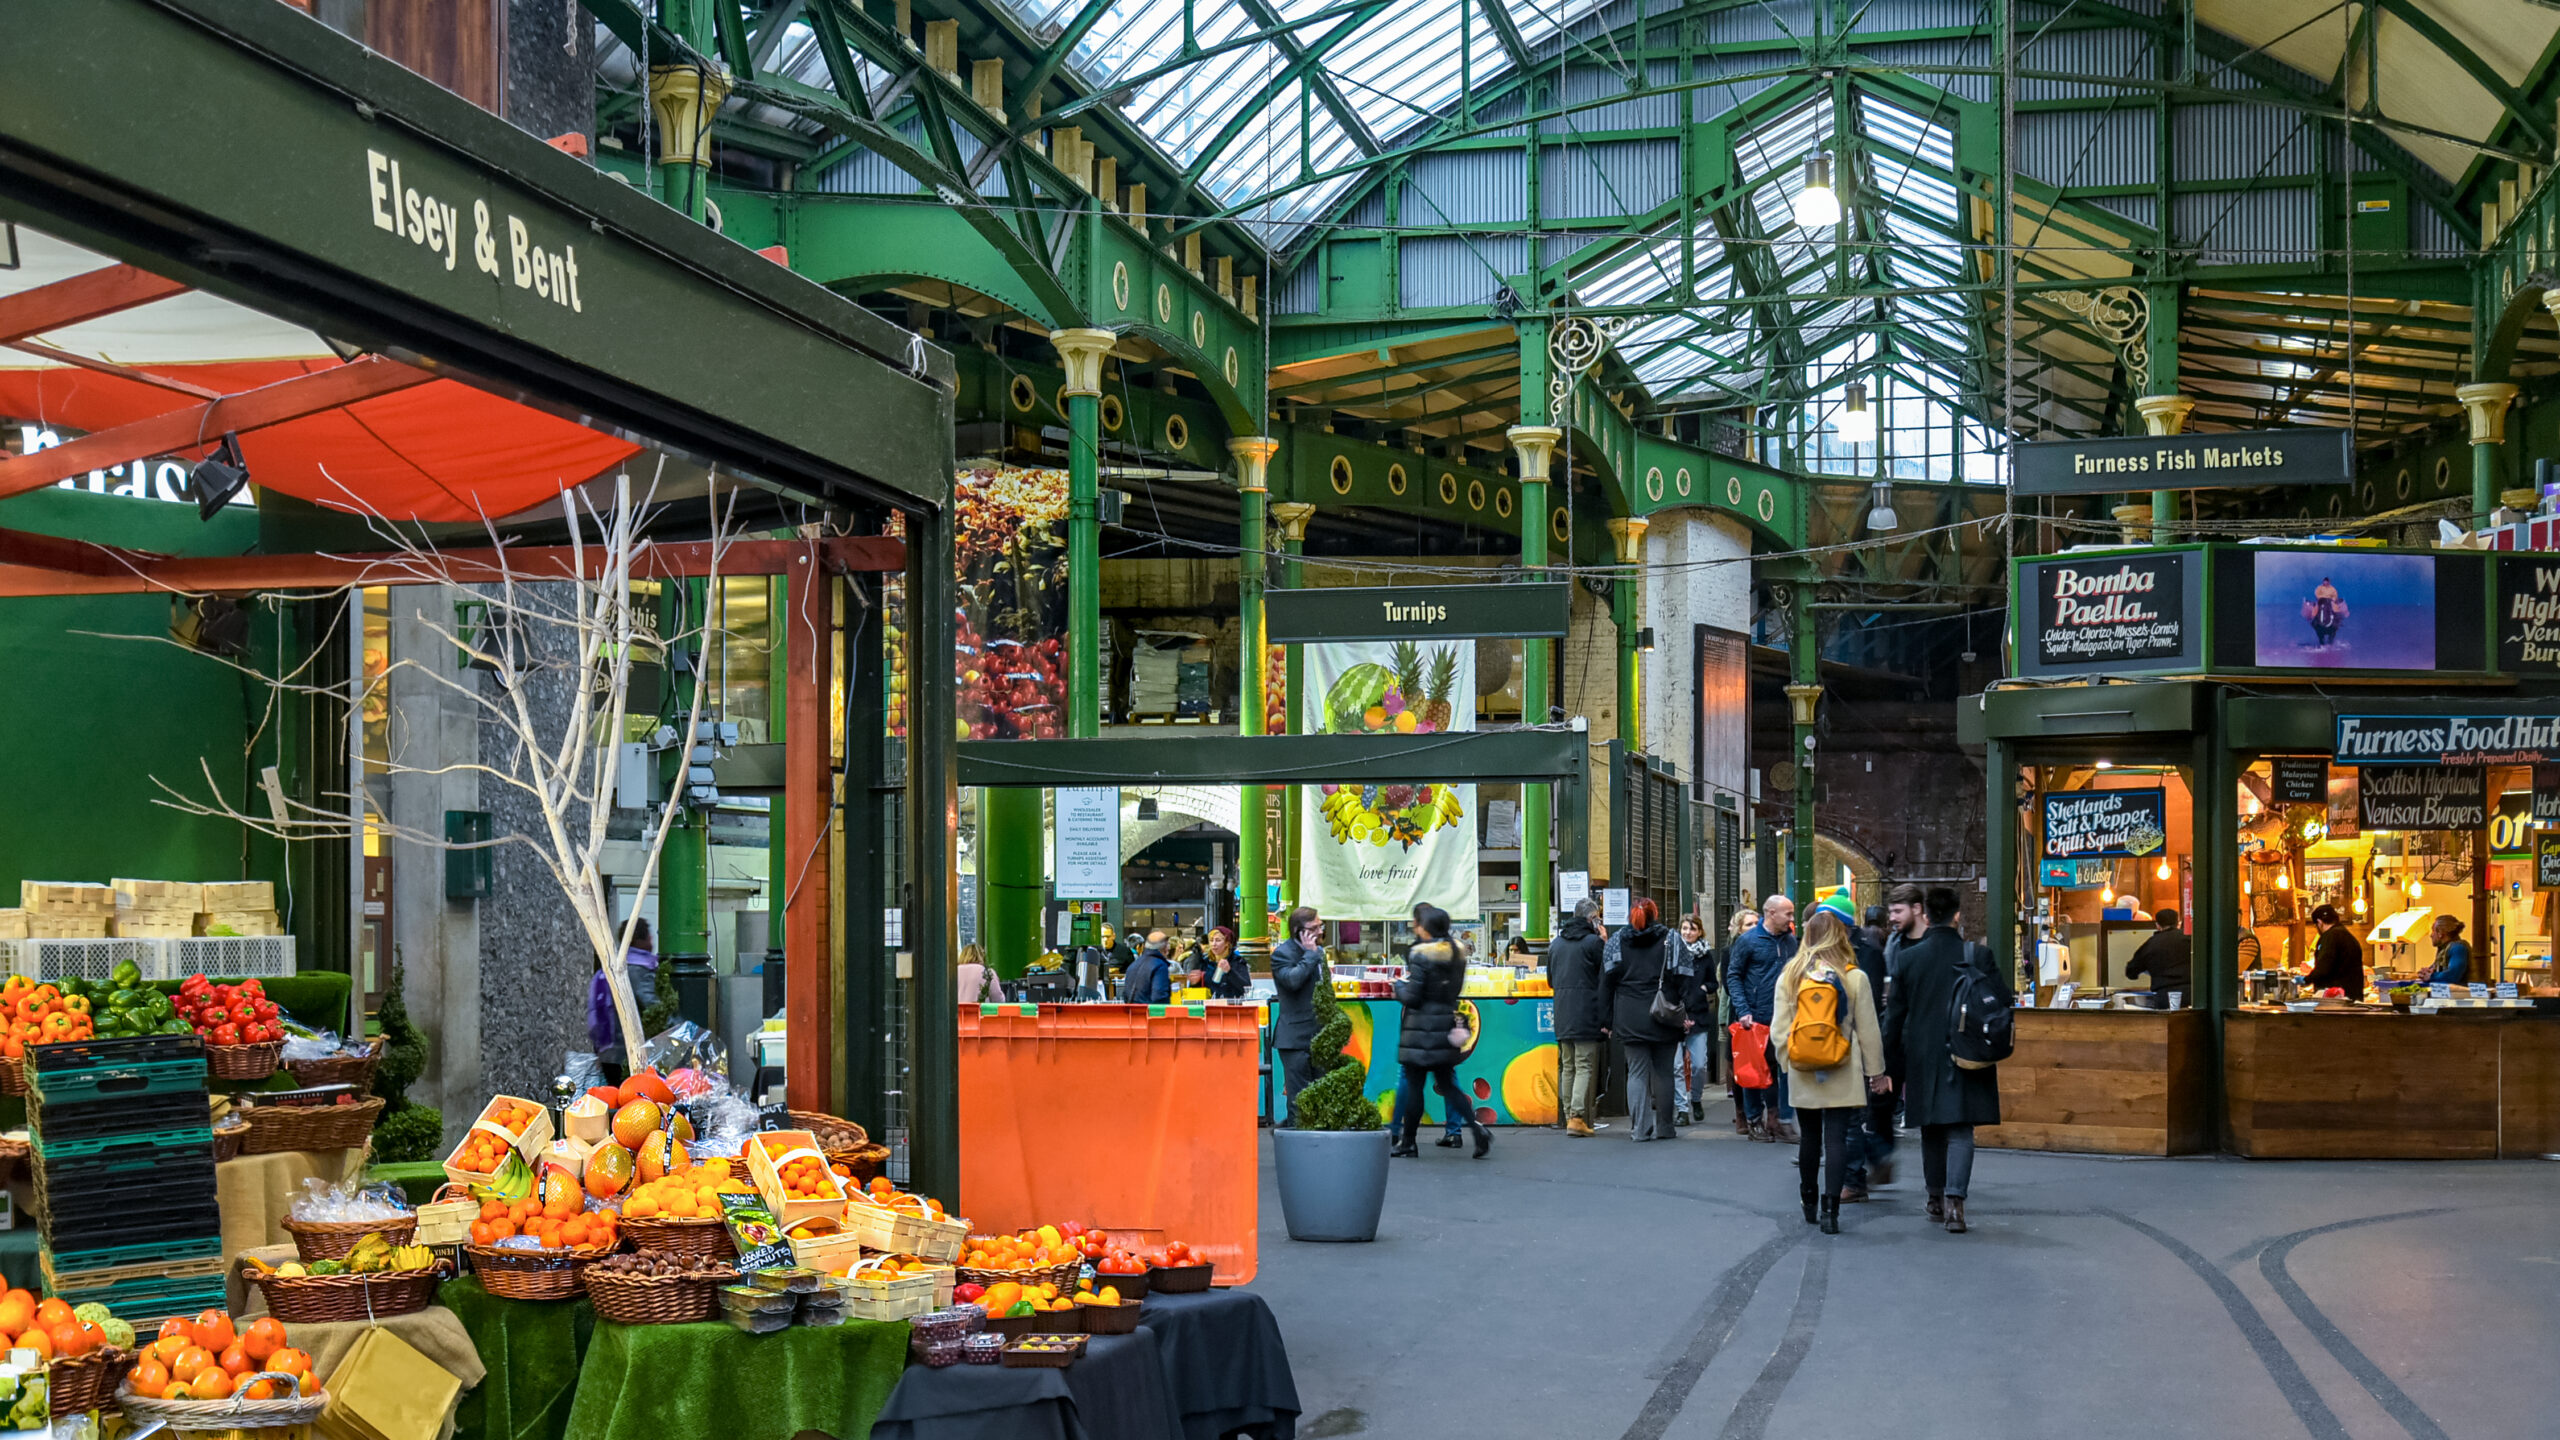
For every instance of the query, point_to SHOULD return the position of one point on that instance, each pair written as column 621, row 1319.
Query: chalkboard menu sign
column 2546, row 861
column 2301, row 780
column 2105, row 824
column 2546, row 794
column 2423, row 797
column 2112, row 612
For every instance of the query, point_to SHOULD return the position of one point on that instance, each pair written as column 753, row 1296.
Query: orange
column 213, row 1384
column 236, row 1361
column 214, row 1332
column 191, row 1362
column 35, row 1339
column 264, row 1338
column 150, row 1378
column 289, row 1361
column 262, row 1390
column 52, row 1308
column 17, row 1309
column 168, row 1348
column 67, row 1339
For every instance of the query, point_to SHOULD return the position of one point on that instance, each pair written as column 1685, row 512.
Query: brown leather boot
column 1938, row 1208
column 1955, row 1214
column 1578, row 1127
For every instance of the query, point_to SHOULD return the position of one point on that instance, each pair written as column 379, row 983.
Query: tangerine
column 264, row 1337
column 191, row 1362
column 150, row 1377
column 213, row 1384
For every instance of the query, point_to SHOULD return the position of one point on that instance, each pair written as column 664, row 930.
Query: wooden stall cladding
column 2393, row 1087
column 459, row 44
column 2116, row 1082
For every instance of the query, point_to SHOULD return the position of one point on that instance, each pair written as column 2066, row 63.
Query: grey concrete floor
column 1671, row 1291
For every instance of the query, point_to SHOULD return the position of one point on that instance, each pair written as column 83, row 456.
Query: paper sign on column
column 1572, row 888
column 1613, row 907
column 1087, row 860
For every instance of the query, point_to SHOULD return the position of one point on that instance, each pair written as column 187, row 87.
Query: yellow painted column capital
column 1628, row 531
column 1253, row 460
column 1082, row 352
column 2165, row 414
column 2486, row 403
column 1293, row 516
column 1536, row 446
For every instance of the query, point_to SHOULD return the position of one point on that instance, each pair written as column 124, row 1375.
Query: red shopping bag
column 1750, row 1054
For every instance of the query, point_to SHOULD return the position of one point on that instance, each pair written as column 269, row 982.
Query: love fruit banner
column 1373, row 852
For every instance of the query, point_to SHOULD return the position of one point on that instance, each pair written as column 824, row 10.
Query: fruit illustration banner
column 1373, row 852
column 1508, row 1070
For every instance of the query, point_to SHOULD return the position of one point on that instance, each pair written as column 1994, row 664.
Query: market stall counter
column 2370, row 1083
column 2108, row 1082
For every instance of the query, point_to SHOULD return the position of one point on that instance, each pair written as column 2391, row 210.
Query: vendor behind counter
column 2167, row 957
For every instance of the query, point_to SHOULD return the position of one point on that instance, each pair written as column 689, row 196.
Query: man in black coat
column 1297, row 967
column 2337, row 960
column 2164, row 957
column 1573, row 971
column 1944, row 1099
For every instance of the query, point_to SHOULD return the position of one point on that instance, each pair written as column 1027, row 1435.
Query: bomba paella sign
column 2110, row 612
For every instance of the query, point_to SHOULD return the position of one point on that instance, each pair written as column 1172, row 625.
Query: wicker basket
column 867, row 1162
column 242, row 1062
column 1063, row 1276
column 223, row 1415
column 1120, row 1319
column 662, row 1235
column 655, row 1299
column 1131, row 1287
column 274, row 1128
column 356, row 1070
column 13, row 1075
column 319, row 1299
column 87, row 1382
column 531, row 1274
column 227, row 1140
column 1179, row 1279
column 833, row 1132
column 335, row 1239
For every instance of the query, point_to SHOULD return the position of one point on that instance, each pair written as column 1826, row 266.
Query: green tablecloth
column 555, row 1373
column 649, row 1382
column 417, row 1179
column 533, row 1350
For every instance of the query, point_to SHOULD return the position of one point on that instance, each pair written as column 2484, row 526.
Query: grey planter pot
column 1332, row 1183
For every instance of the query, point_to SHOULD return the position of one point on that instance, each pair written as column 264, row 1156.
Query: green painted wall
column 89, row 721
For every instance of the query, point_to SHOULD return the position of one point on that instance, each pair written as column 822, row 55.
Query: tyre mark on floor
column 2394, row 1400
column 2296, row 1387
column 1750, row 1417
column 1732, row 1295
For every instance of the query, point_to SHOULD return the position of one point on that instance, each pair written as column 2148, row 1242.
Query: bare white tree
column 564, row 763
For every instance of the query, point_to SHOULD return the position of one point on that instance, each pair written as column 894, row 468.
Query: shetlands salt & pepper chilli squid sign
column 2104, row 824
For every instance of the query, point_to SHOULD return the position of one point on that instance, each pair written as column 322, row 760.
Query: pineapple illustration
column 1403, row 702
column 1444, row 675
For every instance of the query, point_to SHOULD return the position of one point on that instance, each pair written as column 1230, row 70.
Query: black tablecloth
column 1198, row 1368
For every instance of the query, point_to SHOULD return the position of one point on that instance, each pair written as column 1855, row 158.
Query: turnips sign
column 2111, row 612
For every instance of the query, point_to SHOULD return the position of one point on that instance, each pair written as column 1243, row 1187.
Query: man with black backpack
column 1946, row 1025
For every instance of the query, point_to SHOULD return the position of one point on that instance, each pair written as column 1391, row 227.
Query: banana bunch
column 1378, row 814
column 374, row 1255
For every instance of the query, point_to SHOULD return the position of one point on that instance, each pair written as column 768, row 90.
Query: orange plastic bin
column 1139, row 1119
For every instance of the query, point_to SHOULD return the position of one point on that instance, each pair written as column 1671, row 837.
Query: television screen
column 2345, row 610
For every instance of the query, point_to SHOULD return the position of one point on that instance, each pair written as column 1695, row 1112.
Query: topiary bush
column 1334, row 1100
column 412, row 1132
column 404, row 1050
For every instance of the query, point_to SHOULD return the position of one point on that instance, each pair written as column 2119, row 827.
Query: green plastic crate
column 117, row 1082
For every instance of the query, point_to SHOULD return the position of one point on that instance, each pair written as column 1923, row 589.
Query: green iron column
column 683, row 931
column 682, row 100
column 2164, row 410
column 1293, row 517
column 1804, row 691
column 1535, row 445
column 2486, row 403
column 1253, row 854
column 1627, row 612
column 1081, row 351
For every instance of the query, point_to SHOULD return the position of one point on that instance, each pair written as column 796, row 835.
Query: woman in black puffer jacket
column 1435, row 974
column 1628, row 984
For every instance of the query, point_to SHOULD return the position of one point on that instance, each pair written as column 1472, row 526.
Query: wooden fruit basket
column 895, row 1232
column 1179, row 1279
column 335, row 1239
column 667, row 1235
column 243, row 1063
column 320, row 1299
column 227, row 1140
column 868, row 1162
column 87, row 1382
column 531, row 1274
column 223, row 1416
column 655, row 1299
column 832, row 1132
column 276, row 1128
column 356, row 1070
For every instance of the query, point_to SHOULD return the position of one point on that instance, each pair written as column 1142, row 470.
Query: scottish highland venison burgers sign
column 2112, row 612
column 2447, row 740
column 2102, row 824
column 2423, row 797
column 2528, row 613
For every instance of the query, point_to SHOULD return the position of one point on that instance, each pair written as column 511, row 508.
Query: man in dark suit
column 2163, row 956
column 1297, row 968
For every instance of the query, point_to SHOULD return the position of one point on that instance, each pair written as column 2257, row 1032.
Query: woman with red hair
column 1641, row 985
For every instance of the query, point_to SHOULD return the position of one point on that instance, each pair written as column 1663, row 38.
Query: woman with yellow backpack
column 1832, row 1047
